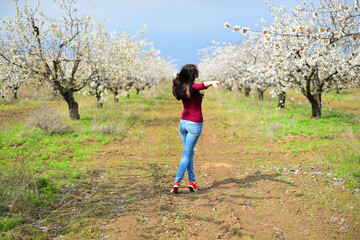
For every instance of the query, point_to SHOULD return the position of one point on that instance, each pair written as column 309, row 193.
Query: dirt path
column 13, row 116
column 244, row 193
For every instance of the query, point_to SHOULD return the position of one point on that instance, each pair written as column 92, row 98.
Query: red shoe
column 192, row 186
column 175, row 188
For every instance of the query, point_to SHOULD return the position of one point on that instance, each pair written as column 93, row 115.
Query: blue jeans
column 190, row 133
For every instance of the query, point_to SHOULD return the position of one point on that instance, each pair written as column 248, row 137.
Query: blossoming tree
column 57, row 51
column 11, row 79
column 237, row 65
column 315, row 47
column 72, row 54
column 128, row 62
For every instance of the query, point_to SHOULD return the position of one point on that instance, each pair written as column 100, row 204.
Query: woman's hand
column 215, row 84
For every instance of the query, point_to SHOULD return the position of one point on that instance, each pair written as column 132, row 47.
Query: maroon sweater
column 192, row 107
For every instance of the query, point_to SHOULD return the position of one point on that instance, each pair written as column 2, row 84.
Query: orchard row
column 75, row 54
column 313, row 49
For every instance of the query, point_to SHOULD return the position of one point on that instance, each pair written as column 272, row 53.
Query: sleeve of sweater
column 199, row 86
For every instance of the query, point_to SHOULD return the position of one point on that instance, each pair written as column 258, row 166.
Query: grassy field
column 263, row 173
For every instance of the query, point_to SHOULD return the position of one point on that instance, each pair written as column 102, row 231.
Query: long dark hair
column 183, row 81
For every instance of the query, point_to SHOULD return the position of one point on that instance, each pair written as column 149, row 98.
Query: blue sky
column 177, row 28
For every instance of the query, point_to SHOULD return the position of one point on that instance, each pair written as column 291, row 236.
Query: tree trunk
column 338, row 89
column 261, row 94
column 281, row 100
column 313, row 91
column 239, row 88
column 73, row 106
column 247, row 91
column 38, row 91
column 137, row 91
column 315, row 101
column 316, row 107
column 116, row 96
column 15, row 91
column 99, row 102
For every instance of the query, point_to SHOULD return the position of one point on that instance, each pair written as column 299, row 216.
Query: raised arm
column 215, row 84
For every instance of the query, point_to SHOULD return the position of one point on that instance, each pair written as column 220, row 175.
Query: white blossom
column 236, row 28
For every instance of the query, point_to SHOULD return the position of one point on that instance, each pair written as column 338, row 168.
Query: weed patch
column 48, row 120
column 342, row 159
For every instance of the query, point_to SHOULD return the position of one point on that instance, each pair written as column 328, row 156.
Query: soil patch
column 14, row 116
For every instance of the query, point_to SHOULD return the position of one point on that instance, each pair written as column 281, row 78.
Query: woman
column 191, row 121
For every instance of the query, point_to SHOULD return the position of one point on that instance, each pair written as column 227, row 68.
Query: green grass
column 140, row 218
column 331, row 138
column 285, row 180
column 52, row 153
column 293, row 120
column 9, row 223
column 298, row 146
column 344, row 161
column 19, row 103
column 296, row 121
column 36, row 167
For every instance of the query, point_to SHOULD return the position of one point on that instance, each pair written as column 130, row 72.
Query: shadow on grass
column 245, row 181
column 242, row 183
